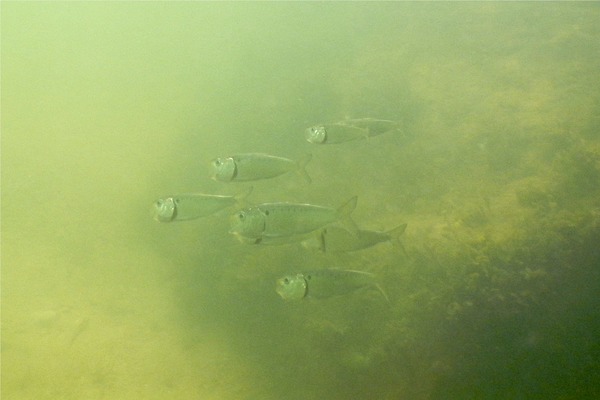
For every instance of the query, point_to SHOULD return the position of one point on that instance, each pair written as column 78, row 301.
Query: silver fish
column 255, row 166
column 277, row 241
column 183, row 207
column 348, row 130
column 272, row 221
column 375, row 127
column 339, row 239
column 325, row 283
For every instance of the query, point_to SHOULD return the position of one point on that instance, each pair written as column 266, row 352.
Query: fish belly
column 339, row 133
column 331, row 282
column 261, row 167
column 296, row 219
column 190, row 207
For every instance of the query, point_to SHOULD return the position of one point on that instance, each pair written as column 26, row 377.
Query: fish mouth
column 292, row 288
column 316, row 134
column 279, row 288
column 161, row 212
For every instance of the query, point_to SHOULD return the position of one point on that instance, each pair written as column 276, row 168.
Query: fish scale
column 324, row 283
column 256, row 166
column 187, row 206
column 277, row 220
column 348, row 130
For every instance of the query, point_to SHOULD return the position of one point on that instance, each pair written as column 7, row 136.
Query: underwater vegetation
column 493, row 288
column 494, row 294
column 455, row 145
column 492, row 291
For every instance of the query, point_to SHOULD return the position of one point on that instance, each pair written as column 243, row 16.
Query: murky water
column 492, row 290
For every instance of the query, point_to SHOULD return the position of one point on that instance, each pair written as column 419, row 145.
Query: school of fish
column 318, row 227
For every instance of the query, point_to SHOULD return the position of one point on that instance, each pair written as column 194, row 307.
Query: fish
column 348, row 130
column 273, row 221
column 276, row 241
column 374, row 126
column 188, row 206
column 256, row 166
column 324, row 283
column 339, row 239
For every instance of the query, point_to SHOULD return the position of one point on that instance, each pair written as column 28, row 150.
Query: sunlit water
column 493, row 291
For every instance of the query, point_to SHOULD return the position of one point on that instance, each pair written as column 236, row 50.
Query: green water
column 107, row 106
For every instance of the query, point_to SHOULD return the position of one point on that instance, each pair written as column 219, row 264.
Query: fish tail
column 301, row 163
column 348, row 207
column 395, row 233
column 394, row 127
column 344, row 214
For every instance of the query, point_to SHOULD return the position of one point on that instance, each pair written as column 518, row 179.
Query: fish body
column 375, row 127
column 274, row 221
column 348, row 130
column 324, row 283
column 339, row 239
column 334, row 133
column 276, row 240
column 188, row 206
column 256, row 166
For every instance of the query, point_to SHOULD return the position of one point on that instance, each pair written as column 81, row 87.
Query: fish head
column 224, row 169
column 292, row 287
column 249, row 223
column 316, row 134
column 164, row 209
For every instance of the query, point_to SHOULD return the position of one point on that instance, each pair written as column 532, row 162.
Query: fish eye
column 241, row 216
column 286, row 281
column 217, row 162
column 308, row 277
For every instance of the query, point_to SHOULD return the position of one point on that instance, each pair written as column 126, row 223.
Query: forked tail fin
column 344, row 215
column 395, row 233
column 301, row 163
